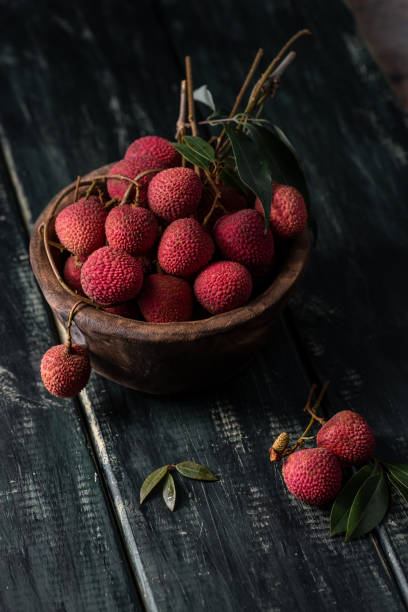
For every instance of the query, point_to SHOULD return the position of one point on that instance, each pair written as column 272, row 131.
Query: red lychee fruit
column 65, row 371
column 159, row 149
column 184, row 248
column 145, row 261
column 131, row 228
column 231, row 199
column 111, row 275
column 174, row 193
column 288, row 211
column 241, row 237
column 131, row 168
column 80, row 227
column 222, row 286
column 165, row 299
column 313, row 475
column 72, row 272
column 349, row 436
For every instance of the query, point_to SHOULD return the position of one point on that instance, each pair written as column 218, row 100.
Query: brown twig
column 70, row 319
column 181, row 121
column 77, row 188
column 190, row 101
column 272, row 83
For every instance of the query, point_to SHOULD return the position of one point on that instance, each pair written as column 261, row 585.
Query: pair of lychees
column 314, row 475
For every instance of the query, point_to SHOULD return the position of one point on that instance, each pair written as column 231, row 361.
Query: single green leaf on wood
column 169, row 491
column 399, row 471
column 252, row 166
column 195, row 471
column 203, row 94
column 191, row 155
column 151, row 481
column 201, row 147
column 369, row 506
column 284, row 164
column 400, row 487
column 342, row 505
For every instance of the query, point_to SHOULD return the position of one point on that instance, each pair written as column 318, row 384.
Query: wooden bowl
column 169, row 357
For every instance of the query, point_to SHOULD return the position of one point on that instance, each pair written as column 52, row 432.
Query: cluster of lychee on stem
column 315, row 475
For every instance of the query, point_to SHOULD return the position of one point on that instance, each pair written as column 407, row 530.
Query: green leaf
column 203, row 94
column 252, row 166
column 341, row 508
column 169, row 491
column 400, row 487
column 399, row 471
column 231, row 179
column 151, row 481
column 283, row 161
column 201, row 147
column 195, row 471
column 191, row 155
column 369, row 506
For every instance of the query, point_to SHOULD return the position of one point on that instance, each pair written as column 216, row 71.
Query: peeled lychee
column 349, row 436
column 80, row 226
column 72, row 272
column 222, row 286
column 313, row 475
column 184, row 248
column 241, row 237
column 132, row 167
column 65, row 371
column 111, row 275
column 165, row 299
column 288, row 211
column 159, row 149
column 174, row 193
column 131, row 228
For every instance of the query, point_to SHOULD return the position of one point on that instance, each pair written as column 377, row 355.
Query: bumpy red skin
column 241, row 237
column 288, row 212
column 231, row 199
column 65, row 372
column 131, row 228
column 349, row 436
column 174, row 193
column 313, row 475
column 72, row 272
column 223, row 286
column 131, row 168
column 184, row 248
column 111, row 275
column 159, row 149
column 80, row 227
column 165, row 299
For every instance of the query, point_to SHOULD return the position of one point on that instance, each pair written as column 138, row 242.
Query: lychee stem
column 271, row 86
column 77, row 188
column 181, row 121
column 312, row 411
column 70, row 319
column 190, row 100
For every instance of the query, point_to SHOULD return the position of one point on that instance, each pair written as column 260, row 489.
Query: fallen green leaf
column 151, row 481
column 399, row 471
column 399, row 486
column 195, row 471
column 169, row 491
column 369, row 506
column 342, row 505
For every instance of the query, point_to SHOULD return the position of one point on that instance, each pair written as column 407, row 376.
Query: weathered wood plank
column 242, row 543
column 58, row 546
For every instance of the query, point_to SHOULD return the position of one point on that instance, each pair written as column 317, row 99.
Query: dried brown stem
column 190, row 101
column 271, row 85
column 70, row 319
column 77, row 188
column 181, row 121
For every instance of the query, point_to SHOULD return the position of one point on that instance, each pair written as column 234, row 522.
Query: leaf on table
column 169, row 491
column 252, row 167
column 399, row 471
column 195, row 471
column 342, row 505
column 369, row 506
column 191, row 155
column 203, row 94
column 151, row 481
column 201, row 147
column 399, row 486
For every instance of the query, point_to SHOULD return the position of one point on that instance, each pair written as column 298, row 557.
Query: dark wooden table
column 78, row 82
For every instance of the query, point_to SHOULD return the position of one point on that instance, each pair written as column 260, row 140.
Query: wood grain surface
column 242, row 543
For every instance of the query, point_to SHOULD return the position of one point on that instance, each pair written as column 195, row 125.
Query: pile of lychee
column 152, row 245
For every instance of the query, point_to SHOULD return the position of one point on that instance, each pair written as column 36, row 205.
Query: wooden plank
column 350, row 309
column 274, row 553
column 59, row 548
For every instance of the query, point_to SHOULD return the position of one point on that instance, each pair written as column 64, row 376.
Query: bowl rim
column 100, row 321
